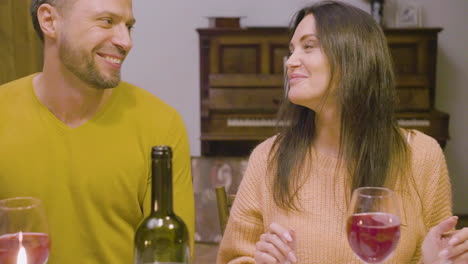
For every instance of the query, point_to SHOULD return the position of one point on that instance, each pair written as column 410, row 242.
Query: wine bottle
column 162, row 237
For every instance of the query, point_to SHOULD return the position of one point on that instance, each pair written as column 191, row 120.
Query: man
column 79, row 139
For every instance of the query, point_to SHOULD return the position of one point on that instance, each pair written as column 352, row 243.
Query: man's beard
column 84, row 67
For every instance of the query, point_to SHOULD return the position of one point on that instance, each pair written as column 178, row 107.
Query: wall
column 165, row 57
column 452, row 90
column 165, row 60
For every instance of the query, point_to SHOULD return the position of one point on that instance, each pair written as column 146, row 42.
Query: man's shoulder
column 13, row 86
column 14, row 90
column 144, row 97
column 146, row 106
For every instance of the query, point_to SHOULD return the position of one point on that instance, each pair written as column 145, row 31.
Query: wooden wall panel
column 21, row 48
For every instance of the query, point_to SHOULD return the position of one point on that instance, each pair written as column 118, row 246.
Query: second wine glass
column 373, row 224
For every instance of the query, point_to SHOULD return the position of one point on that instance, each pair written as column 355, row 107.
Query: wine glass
column 24, row 235
column 373, row 224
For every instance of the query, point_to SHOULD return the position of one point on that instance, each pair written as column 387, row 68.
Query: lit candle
column 22, row 257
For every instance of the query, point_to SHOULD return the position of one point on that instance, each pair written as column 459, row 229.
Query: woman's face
column 307, row 67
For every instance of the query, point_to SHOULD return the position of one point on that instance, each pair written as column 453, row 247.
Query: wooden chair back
column 224, row 202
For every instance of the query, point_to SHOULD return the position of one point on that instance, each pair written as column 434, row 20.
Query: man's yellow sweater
column 93, row 179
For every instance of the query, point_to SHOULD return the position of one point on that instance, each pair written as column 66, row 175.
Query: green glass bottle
column 162, row 237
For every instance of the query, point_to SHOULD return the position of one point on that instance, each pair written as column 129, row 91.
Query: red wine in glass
column 373, row 236
column 24, row 232
column 373, row 224
column 36, row 247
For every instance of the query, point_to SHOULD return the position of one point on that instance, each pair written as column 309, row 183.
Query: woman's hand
column 440, row 247
column 276, row 246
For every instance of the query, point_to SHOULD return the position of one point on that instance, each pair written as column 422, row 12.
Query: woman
column 291, row 205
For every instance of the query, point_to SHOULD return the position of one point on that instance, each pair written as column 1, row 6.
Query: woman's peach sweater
column 425, row 199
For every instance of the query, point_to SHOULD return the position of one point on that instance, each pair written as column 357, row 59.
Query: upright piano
column 242, row 80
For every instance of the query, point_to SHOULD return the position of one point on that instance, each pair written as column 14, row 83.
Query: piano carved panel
column 241, row 85
column 414, row 53
column 407, row 58
column 278, row 53
column 247, row 99
column 239, row 58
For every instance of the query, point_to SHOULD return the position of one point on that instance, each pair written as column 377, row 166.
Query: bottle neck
column 161, row 195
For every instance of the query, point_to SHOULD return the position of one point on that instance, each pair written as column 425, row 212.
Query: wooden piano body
column 241, row 85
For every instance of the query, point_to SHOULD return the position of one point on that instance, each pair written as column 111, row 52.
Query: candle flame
column 22, row 257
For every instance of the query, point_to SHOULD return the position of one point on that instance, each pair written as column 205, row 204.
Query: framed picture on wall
column 408, row 14
column 209, row 173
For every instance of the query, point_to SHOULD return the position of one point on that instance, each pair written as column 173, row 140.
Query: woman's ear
column 47, row 16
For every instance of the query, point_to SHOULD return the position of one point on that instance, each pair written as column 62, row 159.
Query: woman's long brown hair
column 372, row 145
